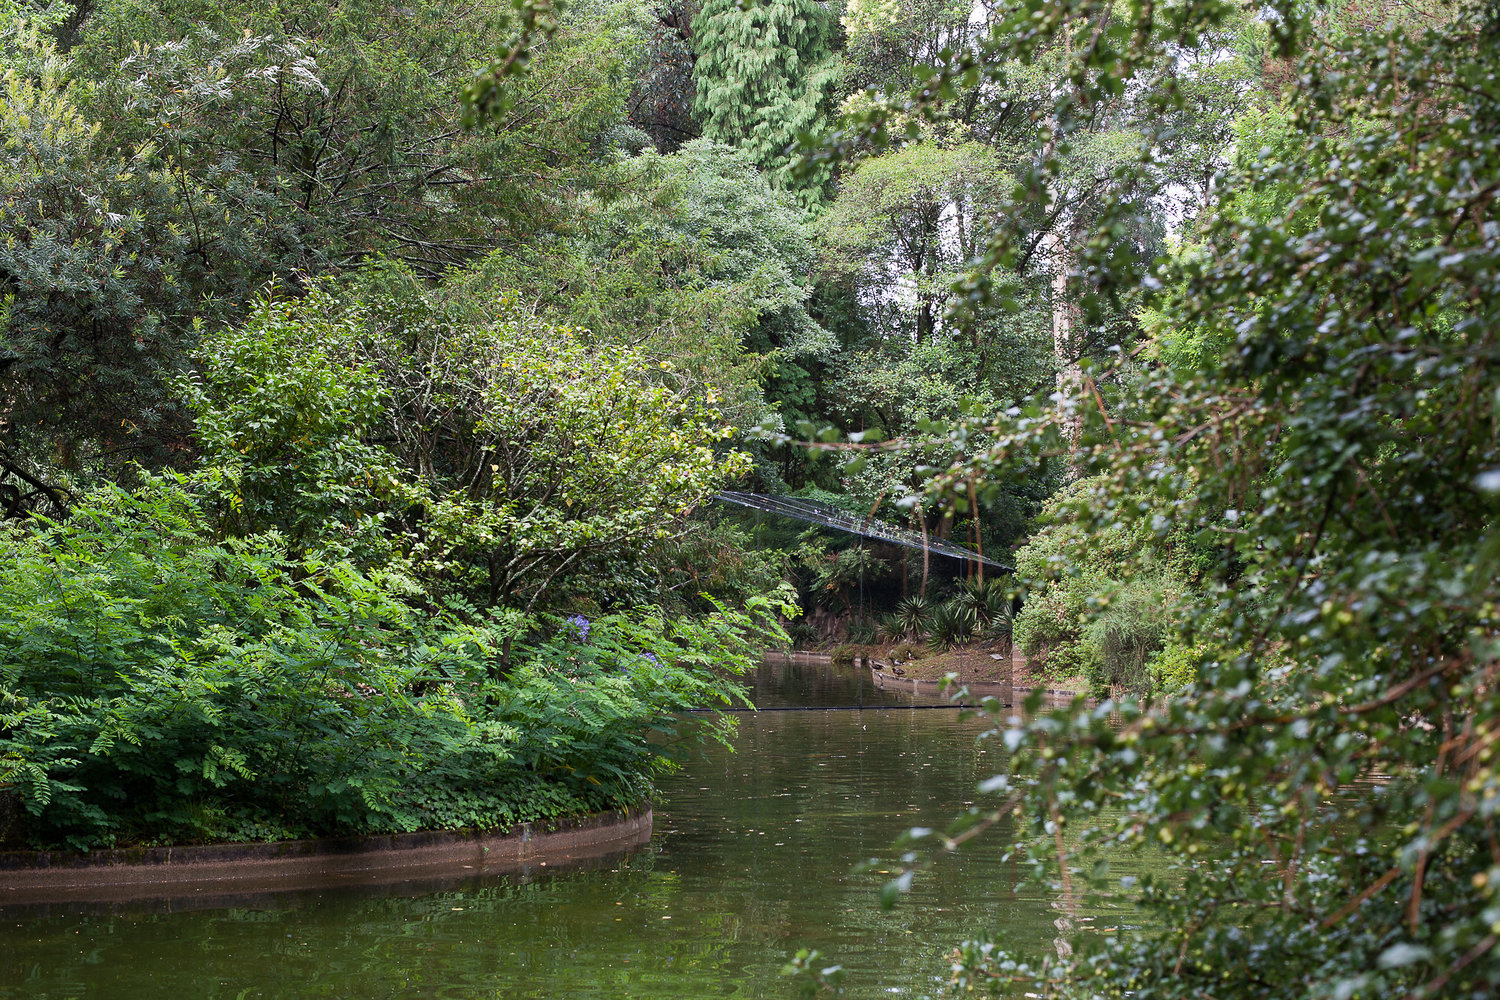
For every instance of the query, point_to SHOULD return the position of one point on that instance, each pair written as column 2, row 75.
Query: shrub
column 913, row 616
column 952, row 624
column 496, row 454
column 1108, row 600
column 159, row 684
column 1175, row 665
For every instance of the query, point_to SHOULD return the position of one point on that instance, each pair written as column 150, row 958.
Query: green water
column 751, row 859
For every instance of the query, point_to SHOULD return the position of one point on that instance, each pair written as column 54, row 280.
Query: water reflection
column 752, row 858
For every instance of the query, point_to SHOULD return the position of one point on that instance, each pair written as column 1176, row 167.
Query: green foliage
column 1121, row 637
column 891, row 40
column 163, row 684
column 662, row 103
column 95, row 277
column 696, row 260
column 913, row 616
column 498, row 453
column 285, row 409
column 338, row 122
column 910, row 219
column 898, row 389
column 1102, row 601
column 493, row 93
column 764, row 75
column 951, row 624
column 704, row 557
column 989, row 604
column 185, row 154
column 1325, row 790
column 1175, row 665
column 837, row 577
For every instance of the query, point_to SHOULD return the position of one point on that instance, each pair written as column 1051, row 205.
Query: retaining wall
column 151, row 872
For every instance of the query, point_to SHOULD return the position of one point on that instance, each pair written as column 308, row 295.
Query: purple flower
column 581, row 627
column 632, row 666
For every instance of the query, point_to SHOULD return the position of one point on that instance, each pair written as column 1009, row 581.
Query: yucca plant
column 890, row 629
column 1000, row 624
column 970, row 599
column 952, row 623
column 989, row 600
column 913, row 616
column 990, row 604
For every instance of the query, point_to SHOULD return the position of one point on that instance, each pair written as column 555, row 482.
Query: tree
column 1326, row 788
column 697, row 261
column 964, row 152
column 96, row 279
column 496, row 454
column 891, row 41
column 662, row 103
column 765, row 73
column 185, row 154
column 1107, row 604
column 908, row 221
column 341, row 122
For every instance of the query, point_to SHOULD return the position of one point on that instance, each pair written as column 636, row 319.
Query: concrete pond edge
column 28, row 877
column 1008, row 694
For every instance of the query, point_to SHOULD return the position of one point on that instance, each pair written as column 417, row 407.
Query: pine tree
column 765, row 72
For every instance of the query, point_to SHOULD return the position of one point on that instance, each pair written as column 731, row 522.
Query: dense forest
column 368, row 373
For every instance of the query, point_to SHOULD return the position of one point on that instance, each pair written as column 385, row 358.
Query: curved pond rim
column 126, row 874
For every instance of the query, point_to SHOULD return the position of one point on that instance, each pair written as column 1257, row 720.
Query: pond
column 753, row 857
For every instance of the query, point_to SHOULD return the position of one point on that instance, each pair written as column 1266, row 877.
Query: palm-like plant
column 913, row 616
column 990, row 599
column 952, row 623
column 999, row 626
column 990, row 604
column 891, row 629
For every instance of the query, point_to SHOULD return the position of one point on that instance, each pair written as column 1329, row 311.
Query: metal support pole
column 864, row 664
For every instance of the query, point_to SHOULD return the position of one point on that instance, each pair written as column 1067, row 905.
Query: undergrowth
column 162, row 685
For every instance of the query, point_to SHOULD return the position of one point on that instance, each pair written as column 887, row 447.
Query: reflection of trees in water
column 786, row 681
column 752, row 859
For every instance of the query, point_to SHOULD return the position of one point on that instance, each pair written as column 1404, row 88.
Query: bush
column 160, row 684
column 952, row 624
column 913, row 616
column 1175, row 666
column 495, row 455
column 1108, row 600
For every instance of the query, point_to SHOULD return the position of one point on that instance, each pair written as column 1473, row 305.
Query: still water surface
column 752, row 858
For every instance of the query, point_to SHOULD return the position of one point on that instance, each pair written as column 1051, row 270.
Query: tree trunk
column 1065, row 323
column 1065, row 314
column 924, row 320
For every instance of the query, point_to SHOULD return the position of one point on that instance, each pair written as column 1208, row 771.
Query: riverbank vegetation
column 1285, row 519
column 330, row 621
column 369, row 370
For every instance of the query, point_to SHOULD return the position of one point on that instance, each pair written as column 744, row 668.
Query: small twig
column 1364, row 894
column 1099, row 401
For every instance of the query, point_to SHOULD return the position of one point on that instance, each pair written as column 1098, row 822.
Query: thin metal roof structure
column 831, row 517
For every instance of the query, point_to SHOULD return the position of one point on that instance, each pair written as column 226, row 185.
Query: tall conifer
column 765, row 72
